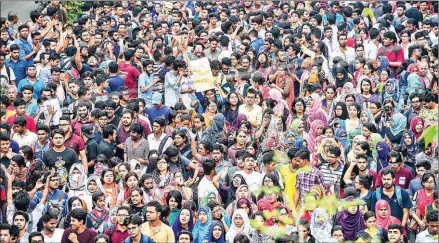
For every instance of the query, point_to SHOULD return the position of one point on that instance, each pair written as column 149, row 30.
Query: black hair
column 137, row 128
column 303, row 154
column 108, row 130
column 79, row 214
column 177, row 196
column 208, row 166
column 21, row 201
column 185, row 232
column 365, row 180
column 388, row 171
column 432, row 216
column 369, row 214
column 21, row 213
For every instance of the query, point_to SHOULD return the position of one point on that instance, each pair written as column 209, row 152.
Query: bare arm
column 405, row 217
column 195, row 153
column 348, row 174
column 83, row 158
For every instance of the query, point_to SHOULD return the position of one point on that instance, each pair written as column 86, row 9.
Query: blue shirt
column 25, row 49
column 38, row 87
column 115, row 82
column 144, row 81
column 153, row 113
column 18, row 67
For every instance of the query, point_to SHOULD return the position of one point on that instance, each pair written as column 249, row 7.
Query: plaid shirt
column 307, row 179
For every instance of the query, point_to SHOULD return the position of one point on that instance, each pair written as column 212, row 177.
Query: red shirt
column 30, row 124
column 117, row 235
column 402, row 178
column 132, row 75
column 394, row 53
column 77, row 124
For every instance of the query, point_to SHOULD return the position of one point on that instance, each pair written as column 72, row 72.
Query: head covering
column 201, row 230
column 210, row 237
column 351, row 223
column 321, row 231
column 323, row 147
column 236, row 124
column 414, row 84
column 341, row 82
column 382, row 153
column 312, row 135
column 373, row 141
column 412, row 148
column 384, row 63
column 391, row 90
column 216, row 130
column 348, row 88
column 264, row 203
column 415, row 120
column 342, row 137
column 384, row 222
column 399, row 123
column 95, row 179
column 156, row 98
column 234, row 230
column 317, row 103
column 318, row 115
column 272, row 136
column 77, row 181
column 370, row 118
column 87, row 130
column 135, row 163
column 295, row 126
column 299, row 143
column 276, row 95
column 287, row 143
column 176, row 227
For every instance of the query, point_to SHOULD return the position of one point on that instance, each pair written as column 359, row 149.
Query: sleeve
column 93, row 152
column 373, row 201
column 65, row 237
column 142, row 80
column 170, row 81
column 378, row 182
column 170, row 234
column 10, row 210
column 81, row 145
column 400, row 56
column 36, row 216
column 411, row 191
column 12, row 77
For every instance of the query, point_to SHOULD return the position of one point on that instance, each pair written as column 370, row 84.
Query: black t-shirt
column 61, row 161
column 91, row 151
column 106, row 149
column 115, row 122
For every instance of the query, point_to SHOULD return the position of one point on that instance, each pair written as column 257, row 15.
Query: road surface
column 22, row 8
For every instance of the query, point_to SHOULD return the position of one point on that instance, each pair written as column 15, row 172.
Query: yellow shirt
column 289, row 179
column 164, row 234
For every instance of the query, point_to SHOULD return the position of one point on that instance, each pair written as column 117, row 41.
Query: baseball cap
column 156, row 98
column 87, row 130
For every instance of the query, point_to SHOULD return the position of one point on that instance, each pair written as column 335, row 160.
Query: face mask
column 75, row 177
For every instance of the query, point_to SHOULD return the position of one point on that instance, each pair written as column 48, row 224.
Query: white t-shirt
column 254, row 179
column 4, row 78
column 56, row 237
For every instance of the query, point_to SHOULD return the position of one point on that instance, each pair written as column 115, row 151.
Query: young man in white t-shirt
column 50, row 232
column 252, row 178
column 6, row 77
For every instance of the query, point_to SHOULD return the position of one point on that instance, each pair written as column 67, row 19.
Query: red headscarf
column 389, row 219
column 415, row 120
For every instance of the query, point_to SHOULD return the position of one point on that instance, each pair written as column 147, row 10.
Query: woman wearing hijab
column 321, row 225
column 237, row 180
column 383, row 62
column 342, row 137
column 347, row 89
column 272, row 139
column 217, row 233
column 341, row 78
column 77, row 181
column 391, row 91
column 243, row 191
column 340, row 115
column 298, row 126
column 184, row 221
column 236, row 124
column 240, row 225
column 315, row 131
column 281, row 105
column 93, row 185
column 414, row 84
column 352, row 155
column 409, row 141
column 315, row 110
column 395, row 128
column 417, row 126
column 201, row 228
column 265, row 207
column 383, row 149
column 383, row 215
column 289, row 139
column 351, row 220
column 216, row 131
column 322, row 151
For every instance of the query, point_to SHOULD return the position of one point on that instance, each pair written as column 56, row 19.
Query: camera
column 387, row 108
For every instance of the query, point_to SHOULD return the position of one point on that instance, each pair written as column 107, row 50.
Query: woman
column 424, row 196
column 110, row 188
column 281, row 107
column 174, row 122
column 263, row 65
column 174, row 202
column 243, row 191
column 353, row 122
column 77, row 181
column 284, row 222
column 201, row 228
column 417, row 126
column 17, row 166
column 130, row 181
column 123, row 169
column 366, row 116
column 212, row 109
column 162, row 176
column 237, row 180
column 246, row 205
column 236, row 124
column 342, row 137
column 315, row 111
column 351, row 220
column 371, row 227
column 368, row 73
column 348, row 89
column 184, row 221
column 358, row 66
column 93, row 185
column 273, row 139
column 101, row 238
column 240, row 225
column 365, row 93
column 315, row 131
column 395, row 128
column 298, row 127
column 391, row 91
column 216, row 131
column 372, row 138
column 73, row 203
column 322, row 151
column 380, row 84
column 298, row 111
column 340, row 115
column 384, row 217
column 409, row 141
column 383, row 149
column 405, row 38
column 321, row 225
column 216, row 232
column 328, row 103
column 342, row 78
column 230, row 107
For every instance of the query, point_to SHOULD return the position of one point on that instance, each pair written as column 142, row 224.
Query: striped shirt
column 329, row 176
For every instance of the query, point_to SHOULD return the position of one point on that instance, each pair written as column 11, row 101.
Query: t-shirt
column 254, row 179
column 402, row 178
column 56, row 237
column 61, row 161
column 87, row 236
column 131, row 78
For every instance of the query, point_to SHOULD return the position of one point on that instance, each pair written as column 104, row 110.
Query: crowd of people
column 317, row 126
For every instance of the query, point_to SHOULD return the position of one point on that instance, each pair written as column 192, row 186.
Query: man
column 362, row 164
column 395, row 233
column 78, row 232
column 110, row 107
column 403, row 176
column 158, row 109
column 124, row 130
column 158, row 139
column 46, row 74
column 346, row 53
column 137, row 206
column 399, row 14
column 415, row 185
column 392, row 51
column 7, row 75
column 31, row 103
column 91, row 147
column 35, row 237
column 333, row 170
column 250, row 109
column 20, row 110
column 51, row 233
column 288, row 174
column 83, row 118
column 154, row 228
column 27, row 51
column 5, row 233
column 43, row 142
column 213, row 52
column 133, row 105
column 118, row 232
column 415, row 107
column 72, row 140
column 31, row 79
column 173, row 83
column 307, row 177
column 114, row 80
column 136, row 146
column 59, row 156
column 429, row 112
column 17, row 64
column 20, row 220
column 22, row 135
column 100, row 91
column 427, row 236
column 206, row 184
column 109, row 136
column 397, row 198
column 253, row 178
column 135, row 236
column 132, row 73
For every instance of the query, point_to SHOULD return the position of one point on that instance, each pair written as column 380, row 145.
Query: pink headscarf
column 389, row 219
column 281, row 104
column 312, row 135
column 413, row 124
column 317, row 103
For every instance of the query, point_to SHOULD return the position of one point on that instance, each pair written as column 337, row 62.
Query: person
column 153, row 227
column 133, row 227
column 35, row 237
column 78, row 232
column 432, row 228
column 118, row 232
column 395, row 233
column 51, row 233
column 240, row 225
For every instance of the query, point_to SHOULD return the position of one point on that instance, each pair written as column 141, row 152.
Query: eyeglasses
column 63, row 125
column 132, row 228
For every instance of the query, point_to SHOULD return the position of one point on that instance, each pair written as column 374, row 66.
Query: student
column 78, row 232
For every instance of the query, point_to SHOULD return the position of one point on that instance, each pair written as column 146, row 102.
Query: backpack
column 162, row 144
column 97, row 222
column 57, row 205
column 8, row 74
column 29, row 224
column 398, row 195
